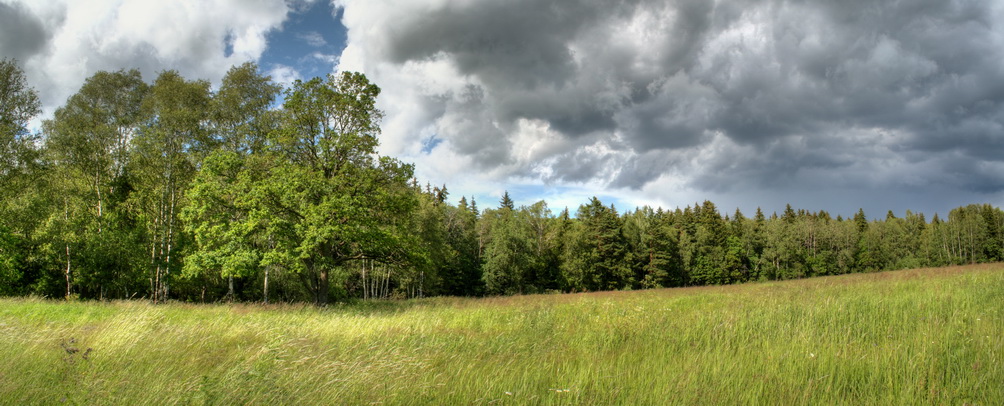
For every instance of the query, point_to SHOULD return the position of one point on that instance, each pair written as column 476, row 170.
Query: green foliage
column 222, row 218
column 508, row 254
column 506, row 202
column 166, row 153
column 331, row 199
column 597, row 257
column 522, row 250
column 461, row 275
column 10, row 263
column 225, row 215
column 18, row 105
column 87, row 141
column 657, row 252
column 172, row 191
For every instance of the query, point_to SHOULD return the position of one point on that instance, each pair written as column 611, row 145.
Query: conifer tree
column 506, row 202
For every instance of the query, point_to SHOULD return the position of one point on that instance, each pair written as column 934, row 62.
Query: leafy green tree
column 87, row 143
column 19, row 103
column 902, row 241
column 461, row 274
column 431, row 229
column 241, row 111
column 837, row 243
column 735, row 268
column 10, row 272
column 221, row 218
column 781, row 250
column 935, row 243
column 871, row 255
column 19, row 175
column 228, row 229
column 508, row 253
column 753, row 240
column 332, row 200
column 718, row 254
column 545, row 246
column 168, row 148
column 967, row 234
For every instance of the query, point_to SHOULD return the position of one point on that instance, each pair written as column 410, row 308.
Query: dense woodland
column 173, row 191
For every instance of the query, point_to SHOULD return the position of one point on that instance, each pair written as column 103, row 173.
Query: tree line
column 174, row 190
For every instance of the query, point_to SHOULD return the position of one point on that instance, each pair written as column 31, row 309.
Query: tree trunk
column 68, row 286
column 386, row 285
column 97, row 190
column 322, row 287
column 266, row 283
column 170, row 243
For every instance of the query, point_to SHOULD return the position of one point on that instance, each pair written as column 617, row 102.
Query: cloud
column 22, row 34
column 65, row 42
column 284, row 75
column 312, row 38
column 725, row 96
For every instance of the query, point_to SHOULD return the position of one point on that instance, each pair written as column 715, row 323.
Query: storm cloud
column 21, row 33
column 822, row 104
column 722, row 96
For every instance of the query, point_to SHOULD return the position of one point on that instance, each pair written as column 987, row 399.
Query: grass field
column 928, row 336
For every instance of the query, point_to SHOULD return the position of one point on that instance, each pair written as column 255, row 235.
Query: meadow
column 924, row 336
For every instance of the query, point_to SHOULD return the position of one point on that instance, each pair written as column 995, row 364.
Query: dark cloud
column 728, row 95
column 521, row 44
column 22, row 33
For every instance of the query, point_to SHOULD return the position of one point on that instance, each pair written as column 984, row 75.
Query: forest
column 173, row 190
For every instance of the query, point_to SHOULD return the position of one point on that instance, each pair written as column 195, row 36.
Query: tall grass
column 929, row 336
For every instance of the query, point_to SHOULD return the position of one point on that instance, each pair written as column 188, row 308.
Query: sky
column 826, row 105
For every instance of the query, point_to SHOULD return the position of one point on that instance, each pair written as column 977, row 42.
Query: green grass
column 929, row 336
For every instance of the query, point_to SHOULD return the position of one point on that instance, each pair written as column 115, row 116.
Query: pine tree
column 474, row 208
column 861, row 220
column 506, row 202
column 660, row 253
column 602, row 250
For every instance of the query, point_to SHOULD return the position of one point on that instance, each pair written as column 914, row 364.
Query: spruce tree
column 506, row 202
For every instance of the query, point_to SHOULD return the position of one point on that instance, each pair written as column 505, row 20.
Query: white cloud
column 330, row 59
column 284, row 75
column 190, row 35
column 313, row 38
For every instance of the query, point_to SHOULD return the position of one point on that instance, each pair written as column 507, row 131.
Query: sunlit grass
column 929, row 336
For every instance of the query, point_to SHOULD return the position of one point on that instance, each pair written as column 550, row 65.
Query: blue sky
column 310, row 40
column 824, row 105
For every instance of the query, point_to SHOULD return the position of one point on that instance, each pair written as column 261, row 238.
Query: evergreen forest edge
column 170, row 190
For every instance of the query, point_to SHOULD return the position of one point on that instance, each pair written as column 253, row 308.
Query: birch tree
column 166, row 152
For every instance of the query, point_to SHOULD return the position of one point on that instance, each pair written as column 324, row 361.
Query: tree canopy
column 170, row 190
